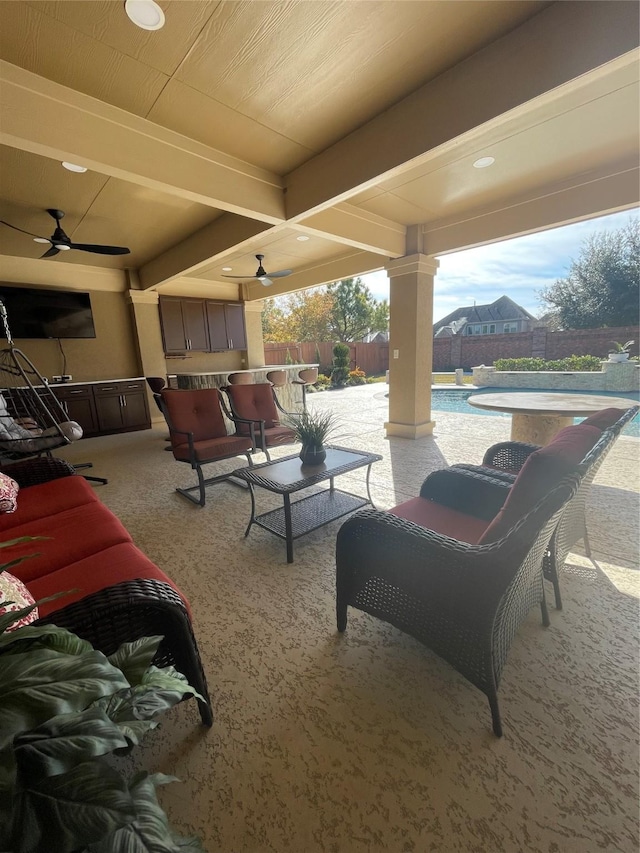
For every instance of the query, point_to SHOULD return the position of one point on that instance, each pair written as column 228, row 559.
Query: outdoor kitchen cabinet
column 79, row 405
column 121, row 406
column 225, row 321
column 184, row 325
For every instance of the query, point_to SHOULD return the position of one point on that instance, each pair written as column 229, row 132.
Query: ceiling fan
column 59, row 242
column 261, row 274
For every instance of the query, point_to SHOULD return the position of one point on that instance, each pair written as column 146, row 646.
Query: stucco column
column 410, row 345
column 253, row 326
column 146, row 326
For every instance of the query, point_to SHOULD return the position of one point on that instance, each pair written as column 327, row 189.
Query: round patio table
column 537, row 416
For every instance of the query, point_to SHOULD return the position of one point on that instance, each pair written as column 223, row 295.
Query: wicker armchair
column 464, row 602
column 503, row 461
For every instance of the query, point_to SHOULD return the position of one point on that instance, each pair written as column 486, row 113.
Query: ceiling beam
column 599, row 193
column 357, row 228
column 226, row 234
column 553, row 49
column 54, row 121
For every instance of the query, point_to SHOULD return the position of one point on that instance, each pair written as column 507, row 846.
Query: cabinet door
column 236, row 333
column 79, row 406
column 195, row 324
column 173, row 335
column 217, row 323
column 135, row 409
column 109, row 409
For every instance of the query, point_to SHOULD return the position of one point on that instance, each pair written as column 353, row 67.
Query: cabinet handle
column 230, row 343
column 124, row 400
column 102, row 389
column 76, row 392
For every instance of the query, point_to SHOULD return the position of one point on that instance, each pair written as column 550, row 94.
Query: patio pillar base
column 409, row 430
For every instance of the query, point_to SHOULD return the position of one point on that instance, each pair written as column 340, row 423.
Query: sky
column 517, row 268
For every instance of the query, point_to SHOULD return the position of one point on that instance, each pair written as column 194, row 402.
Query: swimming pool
column 445, row 400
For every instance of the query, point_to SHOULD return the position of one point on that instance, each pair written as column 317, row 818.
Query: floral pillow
column 8, row 494
column 14, row 591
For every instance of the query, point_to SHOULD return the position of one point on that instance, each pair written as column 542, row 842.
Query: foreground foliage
column 571, row 363
column 65, row 710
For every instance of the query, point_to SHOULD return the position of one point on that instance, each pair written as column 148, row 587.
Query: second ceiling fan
column 261, row 274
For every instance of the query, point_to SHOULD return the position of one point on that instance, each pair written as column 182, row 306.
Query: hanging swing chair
column 32, row 419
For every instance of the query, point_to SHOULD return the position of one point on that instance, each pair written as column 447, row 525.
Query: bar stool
column 277, row 377
column 306, row 376
column 240, row 379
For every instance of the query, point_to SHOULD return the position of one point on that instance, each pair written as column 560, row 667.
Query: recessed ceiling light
column 73, row 167
column 227, row 269
column 483, row 162
column 302, row 238
column 145, row 13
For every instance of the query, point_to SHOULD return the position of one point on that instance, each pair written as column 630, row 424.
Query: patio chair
column 199, row 435
column 256, row 407
column 505, row 459
column 438, row 568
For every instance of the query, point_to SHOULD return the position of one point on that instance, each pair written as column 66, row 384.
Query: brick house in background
column 500, row 317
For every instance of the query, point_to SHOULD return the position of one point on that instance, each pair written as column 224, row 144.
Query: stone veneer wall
column 621, row 377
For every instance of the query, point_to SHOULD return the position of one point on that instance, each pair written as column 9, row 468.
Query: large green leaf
column 135, row 658
column 150, row 832
column 51, row 636
column 65, row 813
column 41, row 684
column 159, row 690
column 65, row 741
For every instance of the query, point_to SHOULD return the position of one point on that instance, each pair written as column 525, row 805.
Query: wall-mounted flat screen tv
column 42, row 313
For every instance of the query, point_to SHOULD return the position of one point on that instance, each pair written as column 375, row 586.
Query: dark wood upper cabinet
column 201, row 325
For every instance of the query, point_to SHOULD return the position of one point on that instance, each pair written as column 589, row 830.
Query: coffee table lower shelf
column 310, row 513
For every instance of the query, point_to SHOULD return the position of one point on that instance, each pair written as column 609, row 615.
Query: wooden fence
column 372, row 358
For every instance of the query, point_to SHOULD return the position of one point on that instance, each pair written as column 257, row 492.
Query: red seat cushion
column 214, row 448
column 441, row 519
column 541, row 472
column 255, row 403
column 112, row 566
column 276, row 435
column 73, row 535
column 48, row 499
column 197, row 411
column 603, row 419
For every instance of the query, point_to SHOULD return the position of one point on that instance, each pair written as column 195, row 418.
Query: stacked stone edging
column 622, row 377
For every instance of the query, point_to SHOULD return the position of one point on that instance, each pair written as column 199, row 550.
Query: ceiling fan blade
column 50, row 252
column 100, row 250
column 244, row 277
column 280, row 273
column 265, row 280
column 22, row 231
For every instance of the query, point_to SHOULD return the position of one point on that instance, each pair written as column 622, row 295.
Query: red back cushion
column 254, row 402
column 540, row 473
column 603, row 419
column 195, row 411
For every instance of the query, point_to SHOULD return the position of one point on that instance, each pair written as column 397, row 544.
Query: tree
column 602, row 287
column 355, row 312
column 301, row 316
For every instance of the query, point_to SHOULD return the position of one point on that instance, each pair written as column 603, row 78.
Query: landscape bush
column 340, row 372
column 571, row 363
column 356, row 377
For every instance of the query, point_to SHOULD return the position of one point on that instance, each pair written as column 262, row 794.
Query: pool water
column 445, row 400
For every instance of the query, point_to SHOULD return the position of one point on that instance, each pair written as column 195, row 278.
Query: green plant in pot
column 312, row 429
column 620, row 352
column 66, row 712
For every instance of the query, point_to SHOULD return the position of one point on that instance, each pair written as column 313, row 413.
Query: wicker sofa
column 113, row 592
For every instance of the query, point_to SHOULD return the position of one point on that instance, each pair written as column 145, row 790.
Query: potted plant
column 67, row 711
column 620, row 352
column 312, row 429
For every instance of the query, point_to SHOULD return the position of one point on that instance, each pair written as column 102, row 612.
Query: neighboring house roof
column 499, row 311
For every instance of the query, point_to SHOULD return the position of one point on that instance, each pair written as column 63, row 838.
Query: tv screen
column 39, row 313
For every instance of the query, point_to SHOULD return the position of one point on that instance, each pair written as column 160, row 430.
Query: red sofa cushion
column 541, row 472
column 74, row 534
column 441, row 519
column 47, row 499
column 106, row 568
column 603, row 419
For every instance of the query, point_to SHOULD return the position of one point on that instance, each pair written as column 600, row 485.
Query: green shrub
column 322, row 382
column 571, row 363
column 340, row 371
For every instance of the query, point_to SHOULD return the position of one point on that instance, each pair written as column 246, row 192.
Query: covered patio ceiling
column 242, row 126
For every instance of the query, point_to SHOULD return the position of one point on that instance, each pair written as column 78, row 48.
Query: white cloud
column 519, row 268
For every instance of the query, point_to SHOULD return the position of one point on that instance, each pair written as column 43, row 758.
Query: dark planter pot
column 313, row 455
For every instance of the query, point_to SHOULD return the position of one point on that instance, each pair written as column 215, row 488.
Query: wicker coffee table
column 288, row 475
